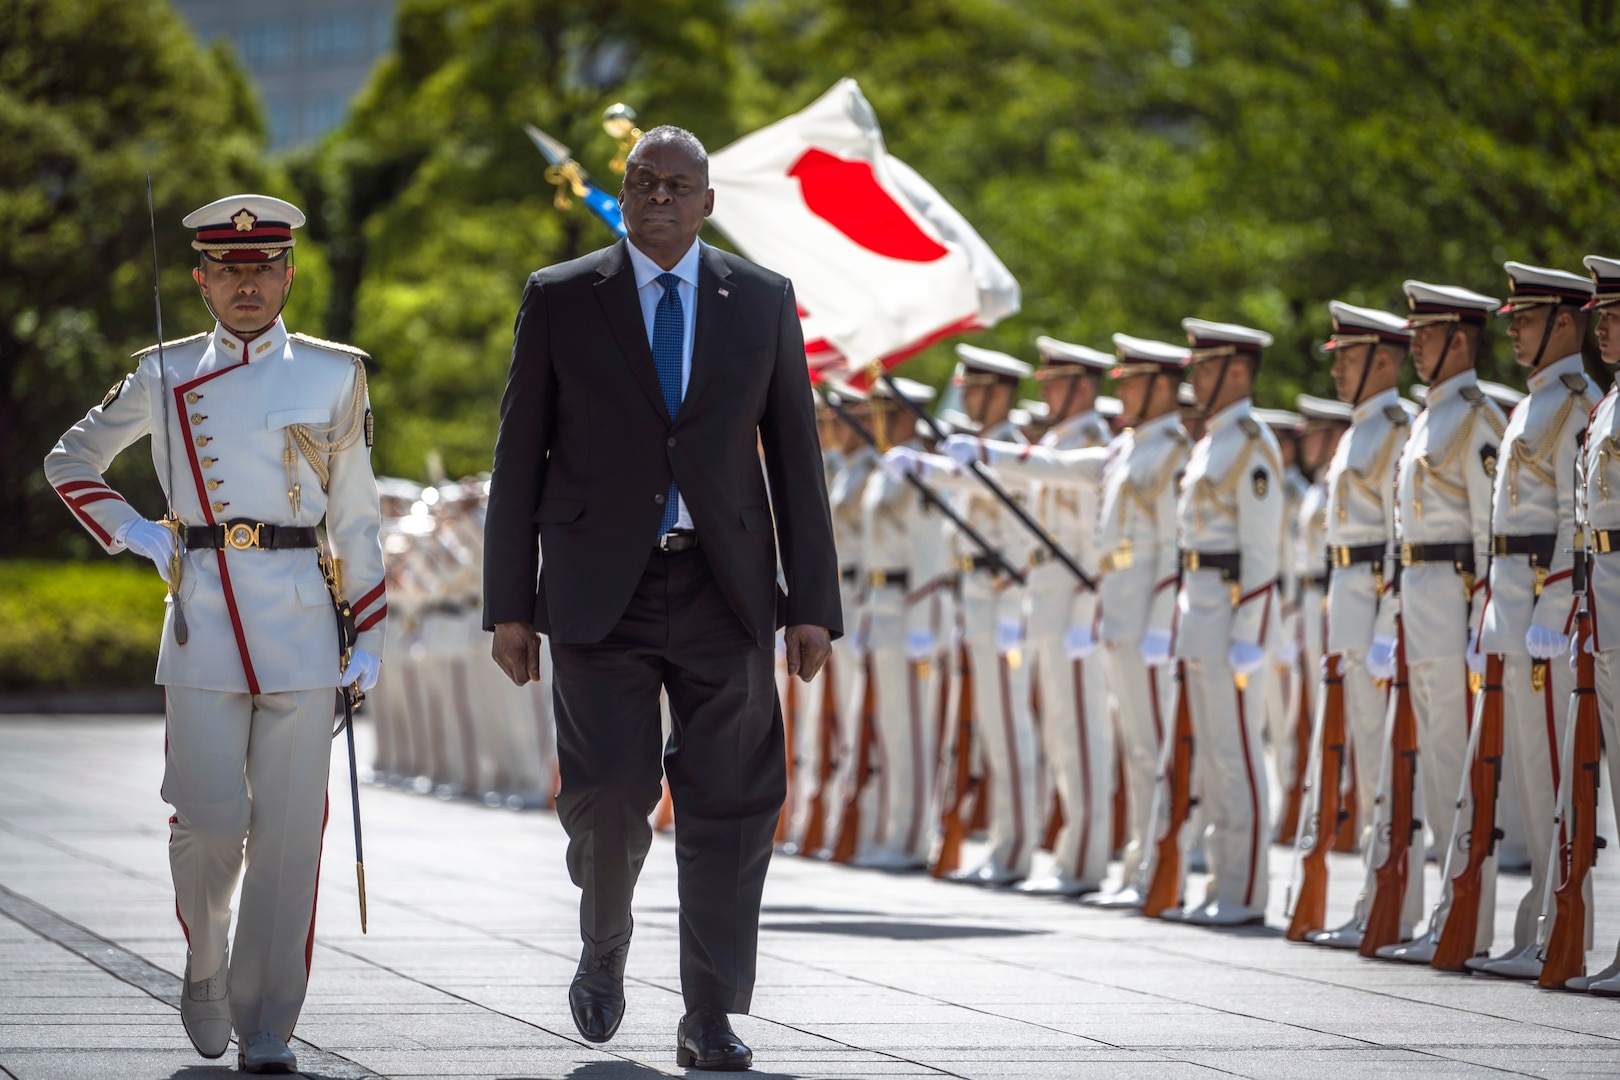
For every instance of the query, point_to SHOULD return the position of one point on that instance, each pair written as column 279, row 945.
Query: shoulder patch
column 334, row 346
column 1396, row 415
column 371, row 433
column 1575, row 384
column 1249, row 426
column 1471, row 394
column 112, row 395
column 168, row 345
column 1261, row 479
column 1487, row 458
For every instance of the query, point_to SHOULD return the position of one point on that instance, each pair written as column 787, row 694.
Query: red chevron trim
column 365, row 601
column 80, row 485
column 371, row 620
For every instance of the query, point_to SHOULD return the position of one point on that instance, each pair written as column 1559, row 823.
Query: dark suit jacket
column 586, row 445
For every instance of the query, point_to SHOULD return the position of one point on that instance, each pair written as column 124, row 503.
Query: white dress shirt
column 649, row 292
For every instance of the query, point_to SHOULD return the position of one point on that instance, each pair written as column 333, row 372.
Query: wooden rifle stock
column 849, row 819
column 958, row 776
column 1383, row 925
column 1294, row 805
column 1458, row 937
column 1564, row 956
column 815, row 825
column 1310, row 907
column 1164, row 890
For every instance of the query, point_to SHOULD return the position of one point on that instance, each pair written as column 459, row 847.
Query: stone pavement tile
column 1380, row 1062
column 1146, row 1069
column 113, row 1064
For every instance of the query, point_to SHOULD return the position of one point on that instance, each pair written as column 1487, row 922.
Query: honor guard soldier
column 1602, row 463
column 993, row 619
column 1530, row 606
column 1074, row 725
column 258, row 435
column 1369, row 348
column 903, row 550
column 1229, row 520
column 1443, row 496
column 1139, row 566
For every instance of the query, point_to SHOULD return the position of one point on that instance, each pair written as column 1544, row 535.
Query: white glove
column 1009, row 635
column 901, row 462
column 363, row 668
column 962, row 449
column 1155, row 648
column 1288, row 652
column 1475, row 658
column 1079, row 641
column 152, row 540
column 857, row 640
column 920, row 645
column 1381, row 657
column 1544, row 644
column 1245, row 657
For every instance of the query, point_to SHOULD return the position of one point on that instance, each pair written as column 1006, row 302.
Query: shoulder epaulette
column 334, row 346
column 1396, row 415
column 1471, row 394
column 167, row 345
column 1250, row 426
column 1575, row 384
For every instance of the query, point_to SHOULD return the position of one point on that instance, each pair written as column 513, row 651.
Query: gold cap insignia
column 244, row 220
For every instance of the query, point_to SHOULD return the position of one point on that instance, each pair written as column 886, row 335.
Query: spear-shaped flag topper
column 574, row 182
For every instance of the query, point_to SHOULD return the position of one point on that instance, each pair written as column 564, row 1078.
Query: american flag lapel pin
column 725, row 292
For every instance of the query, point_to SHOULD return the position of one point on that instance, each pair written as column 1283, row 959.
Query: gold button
column 212, row 484
column 192, row 398
column 202, row 440
column 220, row 506
column 197, row 418
column 208, row 462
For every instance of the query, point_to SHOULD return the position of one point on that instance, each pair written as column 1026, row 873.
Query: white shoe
column 205, row 1009
column 1518, row 964
column 891, row 860
column 1123, row 899
column 265, row 1053
column 1417, row 951
column 1347, row 936
column 1216, row 913
column 1583, row 983
column 1059, row 884
column 988, row 874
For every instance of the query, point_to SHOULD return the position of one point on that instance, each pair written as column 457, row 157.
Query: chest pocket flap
column 280, row 418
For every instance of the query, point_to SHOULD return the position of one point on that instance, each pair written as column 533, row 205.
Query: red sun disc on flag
column 847, row 195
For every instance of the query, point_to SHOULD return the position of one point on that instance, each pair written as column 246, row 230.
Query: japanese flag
column 882, row 264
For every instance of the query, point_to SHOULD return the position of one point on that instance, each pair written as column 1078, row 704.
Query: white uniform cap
column 1536, row 285
column 1605, row 280
column 845, row 390
column 1316, row 408
column 910, row 389
column 1214, row 339
column 1109, row 407
column 1055, row 352
column 1140, row 356
column 1280, row 420
column 1354, row 325
column 244, row 228
column 1446, row 303
column 990, row 362
column 1505, row 396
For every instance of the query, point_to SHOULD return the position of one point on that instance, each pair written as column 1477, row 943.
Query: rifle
column 815, row 826
column 1310, row 902
column 1563, row 950
column 1383, row 923
column 1294, row 805
column 957, row 765
column 849, row 819
column 332, row 570
column 170, row 519
column 1175, row 789
column 1458, row 937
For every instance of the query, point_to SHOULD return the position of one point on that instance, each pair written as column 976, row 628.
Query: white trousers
column 1534, row 730
column 1231, row 773
column 907, row 712
column 1078, row 739
column 1145, row 705
column 1607, row 665
column 1364, row 705
column 1005, row 730
column 1444, row 711
column 246, row 775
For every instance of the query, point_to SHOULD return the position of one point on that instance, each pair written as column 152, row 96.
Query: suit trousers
column 246, row 775
column 724, row 759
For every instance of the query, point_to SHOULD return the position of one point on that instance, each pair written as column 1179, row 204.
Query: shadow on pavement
column 899, row 931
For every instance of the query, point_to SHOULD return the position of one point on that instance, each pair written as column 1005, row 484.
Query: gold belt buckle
column 1341, row 556
column 1600, row 540
column 878, row 579
column 1189, row 559
column 1406, row 554
column 242, row 536
column 1122, row 558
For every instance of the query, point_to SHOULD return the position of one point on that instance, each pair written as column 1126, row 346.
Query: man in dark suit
column 646, row 378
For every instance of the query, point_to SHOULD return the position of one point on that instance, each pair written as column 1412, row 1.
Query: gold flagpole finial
column 619, row 121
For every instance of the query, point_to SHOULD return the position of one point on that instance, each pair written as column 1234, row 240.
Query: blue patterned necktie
column 668, row 338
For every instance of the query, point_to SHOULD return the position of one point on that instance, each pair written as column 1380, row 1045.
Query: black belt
column 1312, row 581
column 1539, row 546
column 242, row 534
column 1229, row 563
column 850, row 574
column 983, row 562
column 1460, row 556
column 677, row 540
column 1340, row 556
column 900, row 579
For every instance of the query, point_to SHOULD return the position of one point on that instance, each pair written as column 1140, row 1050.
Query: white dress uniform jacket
column 1361, row 512
column 1603, row 518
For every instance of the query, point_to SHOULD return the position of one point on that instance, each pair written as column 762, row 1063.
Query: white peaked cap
column 1281, row 420
column 1533, row 285
column 1605, row 280
column 1317, row 408
column 910, row 389
column 1446, row 303
column 1350, row 321
column 1135, row 350
column 991, row 362
column 1054, row 351
column 1214, row 335
column 1503, row 395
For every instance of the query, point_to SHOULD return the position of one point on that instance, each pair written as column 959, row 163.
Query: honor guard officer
column 1602, row 516
column 1369, row 348
column 1229, row 520
column 1139, row 566
column 1530, row 607
column 903, row 548
column 992, row 618
column 1443, row 496
column 1075, row 730
column 258, row 435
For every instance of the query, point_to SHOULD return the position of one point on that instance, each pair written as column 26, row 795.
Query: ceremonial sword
column 171, row 520
column 332, row 570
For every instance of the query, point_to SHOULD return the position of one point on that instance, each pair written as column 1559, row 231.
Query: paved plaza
column 473, row 940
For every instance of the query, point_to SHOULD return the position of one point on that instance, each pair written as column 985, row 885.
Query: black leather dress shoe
column 596, row 996
column 704, row 1040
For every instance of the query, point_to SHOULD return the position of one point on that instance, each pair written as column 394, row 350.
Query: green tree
column 93, row 94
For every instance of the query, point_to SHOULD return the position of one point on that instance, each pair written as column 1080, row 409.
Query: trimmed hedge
column 79, row 626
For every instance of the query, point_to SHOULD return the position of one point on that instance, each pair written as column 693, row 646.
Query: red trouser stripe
column 1014, row 780
column 1082, row 822
column 1254, row 799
